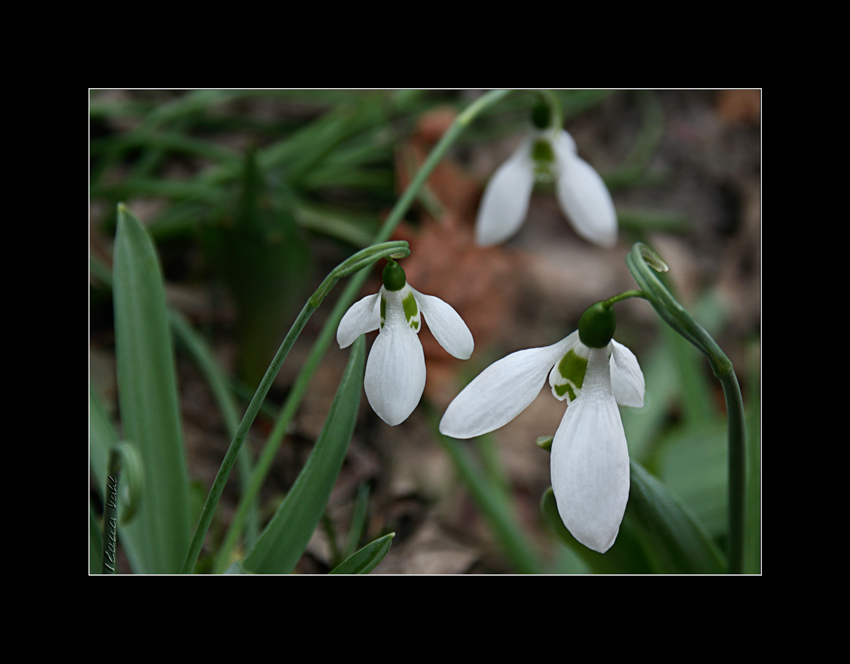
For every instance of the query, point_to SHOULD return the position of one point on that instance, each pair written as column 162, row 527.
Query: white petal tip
column 607, row 242
column 393, row 422
column 451, row 430
column 598, row 543
column 446, row 325
column 391, row 413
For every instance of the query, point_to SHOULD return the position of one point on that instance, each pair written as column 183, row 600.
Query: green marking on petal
column 570, row 376
column 542, row 151
column 573, row 367
column 411, row 310
column 383, row 310
column 543, row 157
column 565, row 389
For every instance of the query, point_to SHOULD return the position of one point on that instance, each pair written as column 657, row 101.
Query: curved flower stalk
column 589, row 465
column 395, row 371
column 642, row 262
column 546, row 155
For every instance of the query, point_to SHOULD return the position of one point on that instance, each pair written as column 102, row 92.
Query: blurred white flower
column 589, row 462
column 548, row 155
column 395, row 370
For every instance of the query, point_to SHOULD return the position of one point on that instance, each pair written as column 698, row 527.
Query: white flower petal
column 500, row 392
column 446, row 325
column 505, row 202
column 626, row 377
column 362, row 316
column 583, row 196
column 590, row 461
column 395, row 371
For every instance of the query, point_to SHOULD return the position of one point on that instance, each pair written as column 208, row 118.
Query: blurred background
column 252, row 197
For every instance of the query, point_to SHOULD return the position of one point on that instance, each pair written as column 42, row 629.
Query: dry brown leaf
column 739, row 105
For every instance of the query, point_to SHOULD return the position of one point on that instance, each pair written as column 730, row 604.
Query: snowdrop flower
column 395, row 370
column 546, row 155
column 589, row 462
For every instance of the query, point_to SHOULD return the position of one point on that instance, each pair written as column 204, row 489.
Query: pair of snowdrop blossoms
column 588, row 370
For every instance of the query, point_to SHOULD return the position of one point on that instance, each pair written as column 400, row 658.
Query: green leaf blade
column 147, row 387
column 673, row 538
column 281, row 544
column 367, row 558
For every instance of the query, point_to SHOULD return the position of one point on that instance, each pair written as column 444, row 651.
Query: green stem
column 293, row 400
column 241, row 433
column 638, row 261
column 737, row 471
column 460, row 123
column 622, row 296
column 556, row 113
column 360, row 260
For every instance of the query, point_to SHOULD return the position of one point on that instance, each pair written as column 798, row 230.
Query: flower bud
column 596, row 325
column 394, row 278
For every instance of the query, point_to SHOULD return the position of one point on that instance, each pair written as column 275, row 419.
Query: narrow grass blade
column 147, row 389
column 281, row 544
column 494, row 504
column 358, row 520
column 367, row 558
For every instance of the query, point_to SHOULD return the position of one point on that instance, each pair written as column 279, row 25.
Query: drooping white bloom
column 589, row 462
column 582, row 195
column 395, row 370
